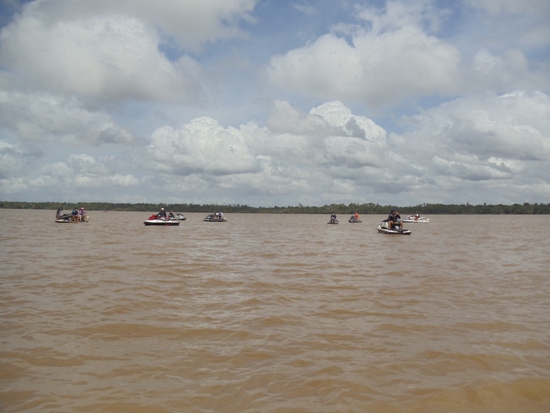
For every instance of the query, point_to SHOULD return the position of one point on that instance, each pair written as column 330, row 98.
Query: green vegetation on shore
column 369, row 208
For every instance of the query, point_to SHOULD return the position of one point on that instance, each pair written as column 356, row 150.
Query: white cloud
column 300, row 153
column 82, row 87
column 191, row 23
column 395, row 56
column 377, row 67
column 79, row 174
column 51, row 119
column 111, row 51
column 104, row 58
column 494, row 138
column 202, row 146
column 329, row 136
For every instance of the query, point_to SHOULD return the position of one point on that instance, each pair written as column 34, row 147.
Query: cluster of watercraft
column 390, row 225
column 387, row 226
column 160, row 220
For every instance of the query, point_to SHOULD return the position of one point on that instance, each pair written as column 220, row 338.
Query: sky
column 275, row 102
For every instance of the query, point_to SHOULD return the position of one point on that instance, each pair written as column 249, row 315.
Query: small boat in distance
column 70, row 218
column 416, row 219
column 215, row 217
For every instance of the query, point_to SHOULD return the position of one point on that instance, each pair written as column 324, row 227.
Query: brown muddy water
column 274, row 313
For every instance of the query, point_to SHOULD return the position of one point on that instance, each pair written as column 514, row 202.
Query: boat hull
column 393, row 231
column 212, row 218
column 160, row 222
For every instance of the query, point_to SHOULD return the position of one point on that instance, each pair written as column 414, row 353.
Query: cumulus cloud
column 77, row 175
column 393, row 55
column 329, row 148
column 86, row 171
column 111, row 51
column 383, row 63
column 51, row 119
column 81, row 88
column 103, row 58
column 329, row 136
column 202, row 146
column 494, row 138
column 190, row 23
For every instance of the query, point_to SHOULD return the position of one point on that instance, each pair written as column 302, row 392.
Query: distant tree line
column 369, row 208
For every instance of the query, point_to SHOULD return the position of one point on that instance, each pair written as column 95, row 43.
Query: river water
column 274, row 313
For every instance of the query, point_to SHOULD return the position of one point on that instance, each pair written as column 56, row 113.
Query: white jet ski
column 384, row 228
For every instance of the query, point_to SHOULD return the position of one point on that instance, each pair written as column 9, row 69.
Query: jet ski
column 68, row 218
column 354, row 220
column 416, row 219
column 218, row 217
column 154, row 220
column 384, row 228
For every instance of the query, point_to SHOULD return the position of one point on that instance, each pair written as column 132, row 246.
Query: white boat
column 154, row 220
column 383, row 228
column 416, row 219
column 180, row 217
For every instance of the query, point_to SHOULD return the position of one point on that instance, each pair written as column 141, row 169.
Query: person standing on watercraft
column 394, row 220
column 333, row 217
